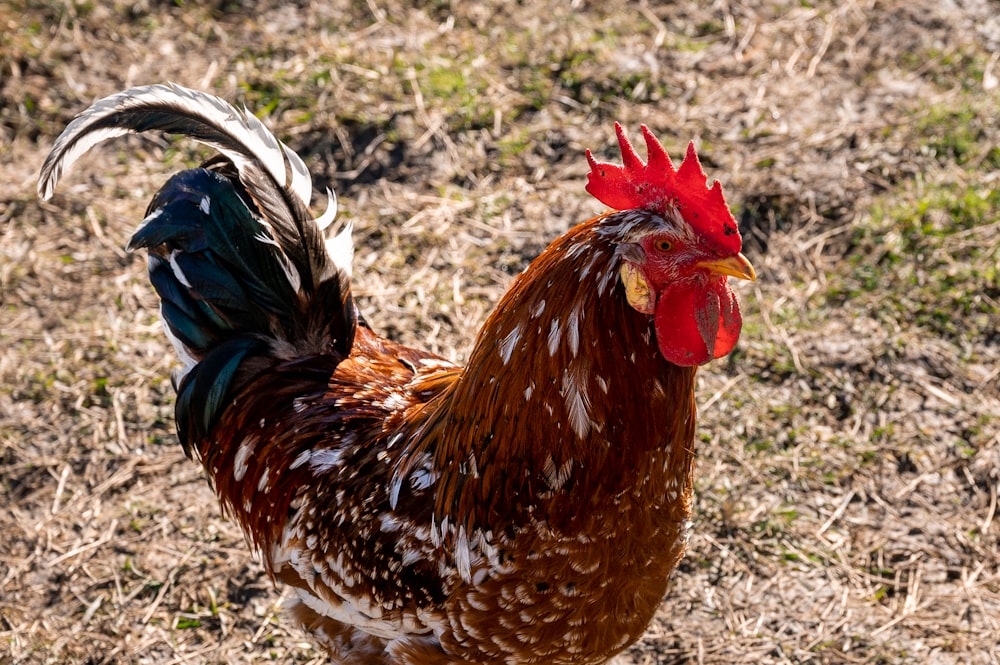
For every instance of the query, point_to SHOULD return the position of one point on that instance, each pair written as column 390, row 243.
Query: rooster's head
column 679, row 244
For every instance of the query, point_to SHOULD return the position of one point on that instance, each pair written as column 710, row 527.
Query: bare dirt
column 849, row 457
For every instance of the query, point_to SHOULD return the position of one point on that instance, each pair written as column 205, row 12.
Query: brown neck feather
column 566, row 402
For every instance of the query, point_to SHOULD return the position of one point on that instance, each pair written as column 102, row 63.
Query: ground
column 849, row 455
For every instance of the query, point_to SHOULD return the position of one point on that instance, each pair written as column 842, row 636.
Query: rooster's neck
column 566, row 398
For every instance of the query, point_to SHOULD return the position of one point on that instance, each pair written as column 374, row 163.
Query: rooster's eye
column 663, row 246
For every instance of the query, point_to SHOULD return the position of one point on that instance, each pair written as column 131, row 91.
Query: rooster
column 528, row 508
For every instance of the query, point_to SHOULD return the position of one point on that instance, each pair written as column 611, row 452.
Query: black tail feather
column 274, row 176
column 206, row 390
column 212, row 257
column 244, row 273
column 228, row 293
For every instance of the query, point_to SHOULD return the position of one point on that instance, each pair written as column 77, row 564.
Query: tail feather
column 273, row 174
column 220, row 254
column 206, row 390
column 245, row 276
column 228, row 296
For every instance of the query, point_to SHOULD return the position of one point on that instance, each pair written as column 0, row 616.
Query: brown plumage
column 528, row 508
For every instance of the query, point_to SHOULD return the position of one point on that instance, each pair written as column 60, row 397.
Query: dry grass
column 848, row 467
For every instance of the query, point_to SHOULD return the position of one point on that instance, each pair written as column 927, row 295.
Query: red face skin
column 695, row 313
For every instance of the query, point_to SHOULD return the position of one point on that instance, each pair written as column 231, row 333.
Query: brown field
column 849, row 456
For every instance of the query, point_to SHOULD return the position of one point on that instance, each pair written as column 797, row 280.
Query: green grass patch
column 928, row 259
column 961, row 135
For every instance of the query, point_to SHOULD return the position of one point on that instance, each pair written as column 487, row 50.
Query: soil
column 849, row 450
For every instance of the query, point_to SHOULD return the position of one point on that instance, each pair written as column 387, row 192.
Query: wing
column 311, row 479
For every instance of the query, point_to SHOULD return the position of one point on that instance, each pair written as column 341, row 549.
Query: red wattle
column 697, row 321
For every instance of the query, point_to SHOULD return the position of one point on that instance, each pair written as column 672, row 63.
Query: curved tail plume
column 273, row 174
column 245, row 276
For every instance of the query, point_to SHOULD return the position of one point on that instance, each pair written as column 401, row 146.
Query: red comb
column 655, row 185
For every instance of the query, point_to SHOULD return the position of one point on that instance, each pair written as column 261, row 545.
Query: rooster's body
column 528, row 508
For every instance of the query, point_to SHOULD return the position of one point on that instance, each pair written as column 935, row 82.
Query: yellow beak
column 735, row 266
